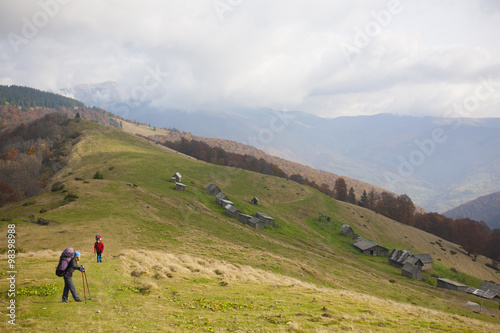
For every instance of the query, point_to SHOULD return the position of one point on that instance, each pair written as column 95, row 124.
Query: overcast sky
column 325, row 57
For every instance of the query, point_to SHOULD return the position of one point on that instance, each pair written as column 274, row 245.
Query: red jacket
column 98, row 247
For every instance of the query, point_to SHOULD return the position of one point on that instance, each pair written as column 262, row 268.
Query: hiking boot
column 79, row 300
column 65, row 301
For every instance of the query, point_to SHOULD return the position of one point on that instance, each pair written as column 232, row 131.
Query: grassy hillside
column 174, row 261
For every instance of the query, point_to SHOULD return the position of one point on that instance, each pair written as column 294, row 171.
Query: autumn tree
column 405, row 209
column 340, row 189
column 11, row 155
column 372, row 199
column 7, row 194
column 31, row 151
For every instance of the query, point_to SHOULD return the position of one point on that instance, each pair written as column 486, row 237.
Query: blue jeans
column 69, row 286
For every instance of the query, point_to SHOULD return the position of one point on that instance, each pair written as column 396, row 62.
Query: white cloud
column 424, row 57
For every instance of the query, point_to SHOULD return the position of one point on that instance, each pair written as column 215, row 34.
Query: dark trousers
column 69, row 286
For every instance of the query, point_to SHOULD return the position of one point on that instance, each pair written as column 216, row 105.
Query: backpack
column 64, row 260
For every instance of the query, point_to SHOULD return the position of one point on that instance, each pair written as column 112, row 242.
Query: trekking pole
column 87, row 281
column 84, row 295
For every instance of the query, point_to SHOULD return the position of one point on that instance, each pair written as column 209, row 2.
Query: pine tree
column 352, row 196
column 363, row 202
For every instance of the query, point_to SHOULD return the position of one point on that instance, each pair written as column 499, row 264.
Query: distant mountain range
column 440, row 163
column 485, row 208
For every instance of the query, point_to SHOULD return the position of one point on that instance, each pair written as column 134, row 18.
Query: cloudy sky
column 325, row 57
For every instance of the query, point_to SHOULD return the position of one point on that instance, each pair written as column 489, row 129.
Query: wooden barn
column 411, row 271
column 346, row 230
column 371, row 248
column 265, row 218
column 176, row 178
column 451, row 285
column 212, row 189
column 427, row 261
column 180, row 187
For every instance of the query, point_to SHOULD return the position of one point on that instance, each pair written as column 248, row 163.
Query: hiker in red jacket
column 98, row 247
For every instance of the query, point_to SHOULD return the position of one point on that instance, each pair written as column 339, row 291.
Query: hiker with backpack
column 98, row 247
column 68, row 263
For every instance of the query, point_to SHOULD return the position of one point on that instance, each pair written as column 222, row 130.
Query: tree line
column 26, row 97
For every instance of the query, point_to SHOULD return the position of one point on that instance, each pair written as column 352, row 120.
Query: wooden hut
column 244, row 218
column 411, row 271
column 232, row 211
column 397, row 258
column 212, row 189
column 225, row 202
column 426, row 260
column 451, row 285
column 254, row 201
column 265, row 218
column 219, row 197
column 180, row 187
column 256, row 223
column 346, row 230
column 371, row 248
column 176, row 178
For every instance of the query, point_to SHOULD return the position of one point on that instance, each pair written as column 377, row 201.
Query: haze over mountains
column 439, row 162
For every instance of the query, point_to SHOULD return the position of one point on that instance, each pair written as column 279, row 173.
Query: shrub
column 57, row 186
column 29, row 203
column 43, row 210
column 98, row 175
column 78, row 178
column 69, row 198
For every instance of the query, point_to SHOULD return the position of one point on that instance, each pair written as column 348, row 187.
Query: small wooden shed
column 176, row 178
column 244, row 218
column 212, row 189
column 219, row 197
column 451, row 285
column 254, row 201
column 225, row 202
column 411, row 271
column 180, row 187
column 256, row 223
column 426, row 260
column 346, row 230
column 397, row 258
column 265, row 218
column 232, row 211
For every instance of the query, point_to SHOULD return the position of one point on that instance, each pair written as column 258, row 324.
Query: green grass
column 176, row 262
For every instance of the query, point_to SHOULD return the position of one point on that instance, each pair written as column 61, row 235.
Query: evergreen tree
column 352, row 196
column 363, row 202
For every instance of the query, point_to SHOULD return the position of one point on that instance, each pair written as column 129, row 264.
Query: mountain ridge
column 485, row 208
